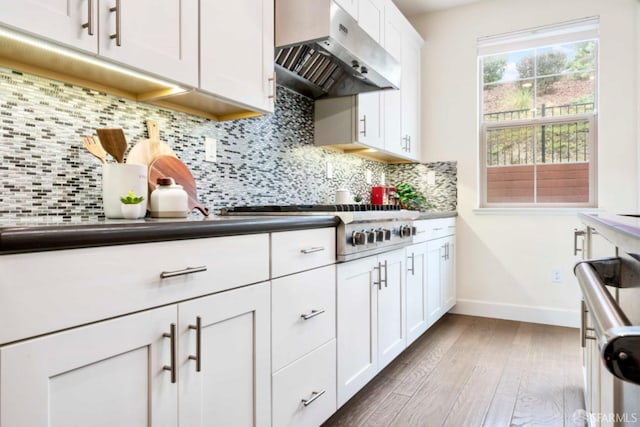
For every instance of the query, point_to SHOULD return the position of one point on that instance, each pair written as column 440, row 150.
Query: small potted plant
column 410, row 198
column 132, row 206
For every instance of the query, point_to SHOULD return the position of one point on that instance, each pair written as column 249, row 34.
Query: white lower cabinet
column 232, row 386
column 106, row 374
column 304, row 347
column 304, row 393
column 417, row 301
column 371, row 324
column 137, row 370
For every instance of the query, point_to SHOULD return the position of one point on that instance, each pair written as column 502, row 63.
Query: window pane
column 565, row 95
column 510, row 146
column 508, row 101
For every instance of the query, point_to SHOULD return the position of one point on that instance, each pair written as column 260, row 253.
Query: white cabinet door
column 233, row 387
column 392, row 339
column 370, row 119
column 417, row 309
column 304, row 313
column 158, row 36
column 435, row 297
column 449, row 273
column 61, row 20
column 392, row 107
column 357, row 320
column 106, row 374
column 371, row 18
column 410, row 97
column 236, row 51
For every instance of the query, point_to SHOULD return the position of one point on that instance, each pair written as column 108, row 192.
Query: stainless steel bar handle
column 118, row 34
column 385, row 273
column 311, row 315
column 172, row 368
column 184, row 272
column 314, row 395
column 89, row 24
column 312, row 250
column 577, row 233
column 198, row 356
column 412, row 270
column 379, row 282
column 409, row 143
column 272, row 80
column 606, row 314
column 364, row 125
column 583, row 325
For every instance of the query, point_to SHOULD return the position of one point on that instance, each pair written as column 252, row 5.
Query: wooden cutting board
column 144, row 152
column 171, row 167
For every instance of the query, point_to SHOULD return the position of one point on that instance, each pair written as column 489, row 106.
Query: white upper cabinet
column 158, row 36
column 61, row 21
column 236, row 51
column 410, row 95
column 371, row 18
column 393, row 26
column 402, row 108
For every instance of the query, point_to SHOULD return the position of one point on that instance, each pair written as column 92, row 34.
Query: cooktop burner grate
column 310, row 208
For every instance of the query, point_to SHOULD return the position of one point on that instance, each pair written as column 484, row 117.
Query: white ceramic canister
column 343, row 197
column 169, row 200
column 117, row 180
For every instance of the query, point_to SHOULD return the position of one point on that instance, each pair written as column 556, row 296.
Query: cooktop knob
column 359, row 238
column 405, row 231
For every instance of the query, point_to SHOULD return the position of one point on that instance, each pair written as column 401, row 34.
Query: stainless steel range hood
column 322, row 52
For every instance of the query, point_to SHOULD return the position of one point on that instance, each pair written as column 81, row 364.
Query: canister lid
column 165, row 181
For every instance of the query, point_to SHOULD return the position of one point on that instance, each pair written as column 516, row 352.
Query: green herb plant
column 131, row 198
column 357, row 198
column 409, row 197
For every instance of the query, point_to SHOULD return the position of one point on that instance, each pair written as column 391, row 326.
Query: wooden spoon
column 93, row 145
column 114, row 142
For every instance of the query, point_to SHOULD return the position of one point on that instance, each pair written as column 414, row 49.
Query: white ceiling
column 417, row 7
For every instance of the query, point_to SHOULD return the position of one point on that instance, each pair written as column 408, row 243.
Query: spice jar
column 168, row 200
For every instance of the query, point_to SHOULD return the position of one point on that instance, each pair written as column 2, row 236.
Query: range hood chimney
column 321, row 52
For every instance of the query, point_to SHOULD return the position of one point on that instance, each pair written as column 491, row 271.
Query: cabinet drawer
column 297, row 295
column 47, row 291
column 294, row 251
column 441, row 227
column 429, row 229
column 315, row 373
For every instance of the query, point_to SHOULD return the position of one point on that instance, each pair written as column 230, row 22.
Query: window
column 538, row 117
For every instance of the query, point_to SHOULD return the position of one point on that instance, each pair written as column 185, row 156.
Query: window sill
column 535, row 211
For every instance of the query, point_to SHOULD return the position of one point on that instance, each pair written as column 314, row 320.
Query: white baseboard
column 521, row 313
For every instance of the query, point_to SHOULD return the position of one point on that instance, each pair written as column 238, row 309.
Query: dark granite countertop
column 435, row 215
column 621, row 230
column 45, row 234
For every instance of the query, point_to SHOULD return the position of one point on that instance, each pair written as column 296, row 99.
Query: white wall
column 505, row 259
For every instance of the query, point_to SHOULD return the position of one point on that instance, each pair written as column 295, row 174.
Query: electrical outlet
column 367, row 176
column 210, row 149
column 383, row 178
column 431, row 178
column 329, row 170
column 556, row 275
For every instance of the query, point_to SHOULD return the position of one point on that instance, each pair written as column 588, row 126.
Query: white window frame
column 569, row 32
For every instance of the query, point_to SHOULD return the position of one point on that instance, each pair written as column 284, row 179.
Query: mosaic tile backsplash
column 45, row 170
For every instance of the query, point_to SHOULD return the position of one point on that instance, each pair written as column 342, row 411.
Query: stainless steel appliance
column 609, row 278
column 363, row 229
column 321, row 51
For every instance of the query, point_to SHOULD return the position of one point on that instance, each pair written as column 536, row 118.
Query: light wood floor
column 471, row 371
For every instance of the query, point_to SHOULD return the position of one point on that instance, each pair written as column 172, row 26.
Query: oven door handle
column 618, row 339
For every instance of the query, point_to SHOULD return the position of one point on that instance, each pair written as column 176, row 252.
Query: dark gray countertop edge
column 624, row 236
column 48, row 238
column 436, row 215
